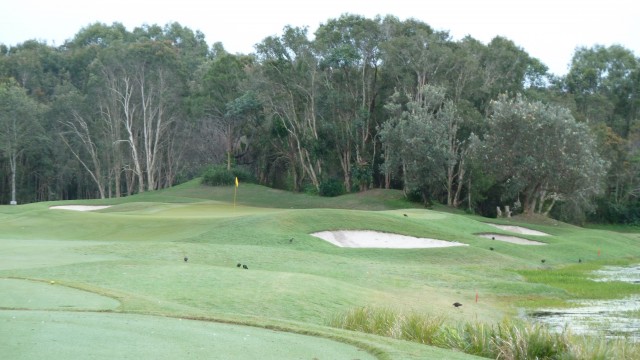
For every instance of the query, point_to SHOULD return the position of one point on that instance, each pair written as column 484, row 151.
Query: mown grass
column 133, row 252
column 508, row 339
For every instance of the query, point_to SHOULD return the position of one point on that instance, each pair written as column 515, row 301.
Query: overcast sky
column 549, row 30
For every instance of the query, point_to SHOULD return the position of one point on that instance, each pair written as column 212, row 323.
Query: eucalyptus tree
column 350, row 56
column 605, row 83
column 287, row 86
column 421, row 143
column 415, row 54
column 223, row 102
column 20, row 127
column 541, row 155
column 506, row 68
column 139, row 91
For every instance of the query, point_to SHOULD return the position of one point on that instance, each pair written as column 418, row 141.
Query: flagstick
column 235, row 191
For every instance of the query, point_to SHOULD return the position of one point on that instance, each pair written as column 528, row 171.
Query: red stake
column 476, row 296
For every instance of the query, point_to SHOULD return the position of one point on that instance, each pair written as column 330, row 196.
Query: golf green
column 82, row 335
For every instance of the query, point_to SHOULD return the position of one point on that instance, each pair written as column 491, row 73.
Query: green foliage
column 538, row 150
column 331, row 188
column 219, row 175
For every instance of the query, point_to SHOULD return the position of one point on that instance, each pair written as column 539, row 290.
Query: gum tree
column 19, row 126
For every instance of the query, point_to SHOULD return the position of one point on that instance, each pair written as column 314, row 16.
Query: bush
column 219, row 176
column 332, row 188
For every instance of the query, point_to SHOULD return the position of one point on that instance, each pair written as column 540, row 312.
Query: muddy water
column 611, row 318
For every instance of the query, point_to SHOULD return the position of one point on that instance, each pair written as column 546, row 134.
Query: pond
column 619, row 318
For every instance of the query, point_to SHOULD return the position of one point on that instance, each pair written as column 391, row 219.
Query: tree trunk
column 13, row 158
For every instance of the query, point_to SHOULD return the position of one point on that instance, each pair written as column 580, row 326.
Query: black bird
column 239, row 265
column 405, row 215
column 186, row 259
column 491, row 248
column 245, row 267
column 457, row 304
column 543, row 260
column 493, row 238
column 579, row 260
column 290, row 240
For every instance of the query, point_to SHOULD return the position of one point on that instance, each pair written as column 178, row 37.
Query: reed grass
column 507, row 340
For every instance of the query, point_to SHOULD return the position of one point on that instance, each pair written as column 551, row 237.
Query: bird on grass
column 239, row 265
column 491, row 248
column 290, row 240
column 245, row 267
column 543, row 261
column 186, row 259
column 493, row 238
column 579, row 260
column 457, row 304
column 405, row 215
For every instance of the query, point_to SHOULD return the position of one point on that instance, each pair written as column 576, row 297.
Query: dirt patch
column 518, row 229
column 511, row 239
column 78, row 207
column 376, row 239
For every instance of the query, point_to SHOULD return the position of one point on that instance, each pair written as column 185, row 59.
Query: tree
column 418, row 139
column 541, row 155
column 288, row 88
column 19, row 126
column 605, row 82
column 142, row 94
column 350, row 55
column 223, row 101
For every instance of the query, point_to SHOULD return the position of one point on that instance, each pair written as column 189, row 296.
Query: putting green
column 25, row 294
column 85, row 335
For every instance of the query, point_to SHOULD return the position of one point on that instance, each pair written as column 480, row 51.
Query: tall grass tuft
column 417, row 328
column 508, row 340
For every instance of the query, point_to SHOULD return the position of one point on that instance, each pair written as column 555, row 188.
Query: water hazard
column 619, row 318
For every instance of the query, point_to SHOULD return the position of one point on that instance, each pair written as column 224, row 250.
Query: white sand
column 519, row 229
column 375, row 239
column 78, row 207
column 511, row 239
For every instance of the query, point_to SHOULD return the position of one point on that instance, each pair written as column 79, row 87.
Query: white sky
column 549, row 30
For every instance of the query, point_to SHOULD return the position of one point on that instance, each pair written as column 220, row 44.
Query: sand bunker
column 519, row 230
column 511, row 239
column 78, row 207
column 375, row 239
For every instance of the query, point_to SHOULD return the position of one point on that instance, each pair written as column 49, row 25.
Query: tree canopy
column 362, row 102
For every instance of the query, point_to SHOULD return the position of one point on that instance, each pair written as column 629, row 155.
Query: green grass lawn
column 127, row 260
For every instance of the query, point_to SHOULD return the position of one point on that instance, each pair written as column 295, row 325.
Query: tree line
column 364, row 103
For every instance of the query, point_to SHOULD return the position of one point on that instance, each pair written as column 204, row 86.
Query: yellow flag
column 236, row 181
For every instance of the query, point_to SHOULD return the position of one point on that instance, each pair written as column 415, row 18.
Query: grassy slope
column 133, row 252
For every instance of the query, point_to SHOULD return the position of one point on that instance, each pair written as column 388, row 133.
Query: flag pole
column 235, row 192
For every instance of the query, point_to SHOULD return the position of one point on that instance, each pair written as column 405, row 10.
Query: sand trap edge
column 79, row 207
column 511, row 239
column 380, row 240
column 518, row 229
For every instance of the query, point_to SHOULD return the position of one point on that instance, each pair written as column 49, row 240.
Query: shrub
column 330, row 188
column 218, row 175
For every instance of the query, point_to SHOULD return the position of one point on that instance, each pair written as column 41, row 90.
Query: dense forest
column 361, row 103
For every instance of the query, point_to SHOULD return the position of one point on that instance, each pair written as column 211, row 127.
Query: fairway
column 182, row 273
column 101, row 336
